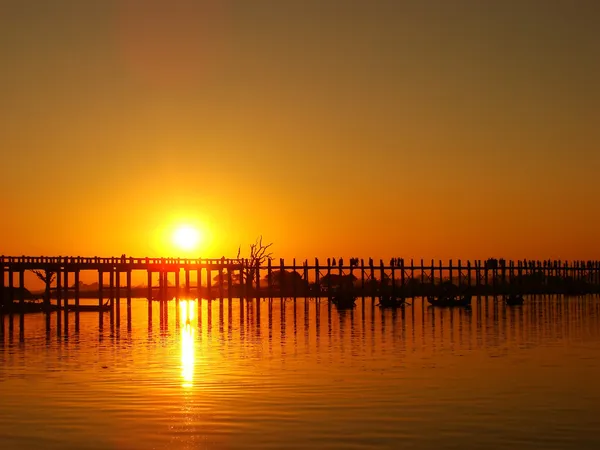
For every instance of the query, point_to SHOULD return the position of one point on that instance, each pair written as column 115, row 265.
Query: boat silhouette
column 450, row 301
column 391, row 301
column 514, row 300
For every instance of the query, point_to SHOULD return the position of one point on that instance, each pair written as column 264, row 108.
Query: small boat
column 391, row 301
column 514, row 300
column 27, row 307
column 344, row 300
column 447, row 301
column 162, row 298
column 90, row 308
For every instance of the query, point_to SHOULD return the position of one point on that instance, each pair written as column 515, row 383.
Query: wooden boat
column 28, row 307
column 447, row 301
column 344, row 300
column 391, row 301
column 514, row 300
column 91, row 308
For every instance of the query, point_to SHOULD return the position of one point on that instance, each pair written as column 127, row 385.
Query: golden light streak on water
column 188, row 335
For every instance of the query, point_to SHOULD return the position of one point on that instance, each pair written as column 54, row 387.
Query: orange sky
column 383, row 128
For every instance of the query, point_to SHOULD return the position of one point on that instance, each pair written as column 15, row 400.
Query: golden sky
column 376, row 128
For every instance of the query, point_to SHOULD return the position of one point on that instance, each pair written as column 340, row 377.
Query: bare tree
column 47, row 277
column 259, row 253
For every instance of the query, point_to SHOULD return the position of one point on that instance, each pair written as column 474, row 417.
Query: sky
column 430, row 128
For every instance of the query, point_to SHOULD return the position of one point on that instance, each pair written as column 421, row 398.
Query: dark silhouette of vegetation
column 47, row 277
column 259, row 254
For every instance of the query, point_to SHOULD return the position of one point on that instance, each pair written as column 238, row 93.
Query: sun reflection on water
column 188, row 358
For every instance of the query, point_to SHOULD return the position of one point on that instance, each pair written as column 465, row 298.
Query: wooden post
column 177, row 283
column 100, row 286
column 129, row 297
column 351, row 272
column 149, row 273
column 111, row 289
column 441, row 267
column 382, row 276
column 422, row 272
column 432, row 273
column 317, row 277
column 403, row 275
column 66, row 300
column 58, row 298
column 187, row 282
column 469, row 275
column 221, row 295
column 362, row 277
column 372, row 273
column 257, row 272
column 282, row 279
column 209, row 281
column 450, row 274
column 229, row 283
column 459, row 269
column 294, row 281
column 21, row 305
column 412, row 273
column 76, row 295
column 485, row 276
column 161, row 287
column 118, row 294
column 270, row 278
column 3, row 298
column 393, row 269
column 329, row 277
column 21, row 291
column 165, row 286
column 199, row 283
column 149, row 287
column 305, row 278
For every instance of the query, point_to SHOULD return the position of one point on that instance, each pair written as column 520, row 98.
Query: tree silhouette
column 259, row 253
column 47, row 277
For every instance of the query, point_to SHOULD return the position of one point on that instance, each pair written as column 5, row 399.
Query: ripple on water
column 303, row 375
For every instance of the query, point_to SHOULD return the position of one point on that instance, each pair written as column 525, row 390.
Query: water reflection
column 289, row 374
column 188, row 338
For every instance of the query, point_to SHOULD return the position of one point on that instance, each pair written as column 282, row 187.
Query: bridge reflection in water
column 269, row 374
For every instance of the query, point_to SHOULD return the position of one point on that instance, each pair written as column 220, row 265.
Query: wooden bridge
column 247, row 279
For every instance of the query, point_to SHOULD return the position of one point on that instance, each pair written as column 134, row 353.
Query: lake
column 301, row 374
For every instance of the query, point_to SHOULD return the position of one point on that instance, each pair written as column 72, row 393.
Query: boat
column 391, row 301
column 27, row 307
column 90, row 308
column 514, row 300
column 450, row 301
column 162, row 298
column 343, row 300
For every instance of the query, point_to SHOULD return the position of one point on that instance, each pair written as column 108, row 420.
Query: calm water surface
column 300, row 374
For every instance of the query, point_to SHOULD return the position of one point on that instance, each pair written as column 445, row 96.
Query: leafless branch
column 45, row 276
column 259, row 253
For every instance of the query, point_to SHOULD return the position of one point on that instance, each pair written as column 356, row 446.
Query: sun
column 186, row 237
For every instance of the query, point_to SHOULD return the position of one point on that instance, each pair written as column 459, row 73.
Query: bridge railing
column 115, row 260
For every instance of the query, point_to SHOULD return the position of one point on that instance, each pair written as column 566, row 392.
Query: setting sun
column 186, row 237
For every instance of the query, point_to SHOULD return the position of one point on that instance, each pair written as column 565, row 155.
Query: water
column 304, row 375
